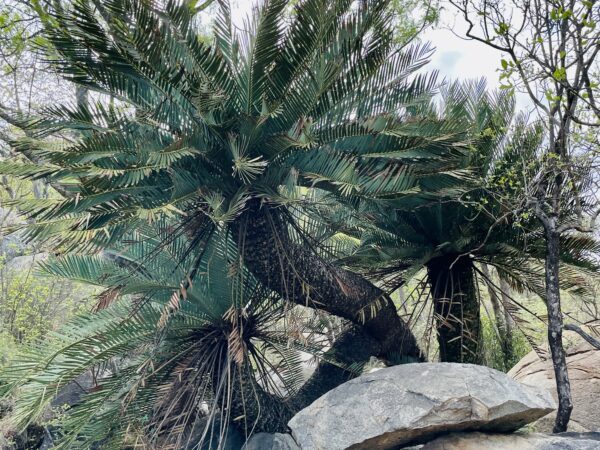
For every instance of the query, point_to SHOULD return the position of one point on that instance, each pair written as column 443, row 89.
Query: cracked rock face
column 414, row 403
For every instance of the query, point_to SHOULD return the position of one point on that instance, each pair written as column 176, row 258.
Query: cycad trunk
column 268, row 412
column 456, row 306
column 300, row 276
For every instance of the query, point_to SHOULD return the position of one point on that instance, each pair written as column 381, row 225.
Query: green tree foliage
column 239, row 138
column 414, row 16
column 30, row 307
column 493, row 353
column 201, row 189
column 551, row 54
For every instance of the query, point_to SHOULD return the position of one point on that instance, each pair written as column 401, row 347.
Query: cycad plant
column 178, row 365
column 233, row 134
column 449, row 238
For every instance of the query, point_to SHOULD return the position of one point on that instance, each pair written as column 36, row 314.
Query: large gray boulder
column 534, row 441
column 268, row 441
column 583, row 363
column 414, row 403
column 67, row 397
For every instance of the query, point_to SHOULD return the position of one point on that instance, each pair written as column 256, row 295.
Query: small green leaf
column 502, row 28
column 560, row 74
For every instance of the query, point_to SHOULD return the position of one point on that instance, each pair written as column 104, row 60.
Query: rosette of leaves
column 177, row 364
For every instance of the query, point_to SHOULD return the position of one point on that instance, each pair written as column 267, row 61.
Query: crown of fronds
column 397, row 243
column 318, row 98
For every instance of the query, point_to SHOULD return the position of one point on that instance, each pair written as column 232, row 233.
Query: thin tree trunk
column 558, row 149
column 587, row 337
column 457, row 312
column 81, row 96
column 509, row 351
column 494, row 300
column 555, row 328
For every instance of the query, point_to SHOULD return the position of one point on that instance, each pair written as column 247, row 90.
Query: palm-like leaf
column 220, row 139
column 180, row 334
column 221, row 134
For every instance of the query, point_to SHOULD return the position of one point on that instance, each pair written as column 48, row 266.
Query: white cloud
column 454, row 57
column 457, row 58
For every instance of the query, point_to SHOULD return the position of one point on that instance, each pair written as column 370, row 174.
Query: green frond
column 224, row 328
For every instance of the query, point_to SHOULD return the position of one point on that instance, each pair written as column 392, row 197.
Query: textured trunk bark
column 457, row 313
column 351, row 347
column 555, row 328
column 300, row 276
column 253, row 409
